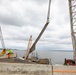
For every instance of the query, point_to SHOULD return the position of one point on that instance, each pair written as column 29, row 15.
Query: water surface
column 56, row 56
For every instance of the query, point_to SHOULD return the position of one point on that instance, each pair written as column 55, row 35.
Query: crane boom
column 2, row 40
column 28, row 47
column 46, row 24
column 72, row 11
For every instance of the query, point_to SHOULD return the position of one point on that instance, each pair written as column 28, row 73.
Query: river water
column 56, row 56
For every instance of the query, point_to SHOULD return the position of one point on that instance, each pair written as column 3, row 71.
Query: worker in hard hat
column 9, row 52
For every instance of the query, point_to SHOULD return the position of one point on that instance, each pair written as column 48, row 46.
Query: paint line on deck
column 65, row 71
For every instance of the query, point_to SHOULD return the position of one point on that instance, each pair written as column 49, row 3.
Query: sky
column 21, row 18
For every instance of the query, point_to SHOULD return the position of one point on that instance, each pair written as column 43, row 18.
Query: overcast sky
column 21, row 18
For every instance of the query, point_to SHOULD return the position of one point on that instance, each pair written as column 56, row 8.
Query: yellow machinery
column 3, row 52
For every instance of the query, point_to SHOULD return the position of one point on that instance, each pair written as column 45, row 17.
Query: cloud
column 22, row 18
column 39, row 2
column 11, row 14
column 18, row 12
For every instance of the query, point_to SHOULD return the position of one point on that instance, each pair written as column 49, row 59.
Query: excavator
column 4, row 53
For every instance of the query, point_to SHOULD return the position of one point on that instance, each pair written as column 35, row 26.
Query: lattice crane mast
column 72, row 11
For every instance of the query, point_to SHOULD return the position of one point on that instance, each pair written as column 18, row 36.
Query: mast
column 72, row 11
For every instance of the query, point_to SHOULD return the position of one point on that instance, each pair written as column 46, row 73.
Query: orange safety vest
column 9, row 55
